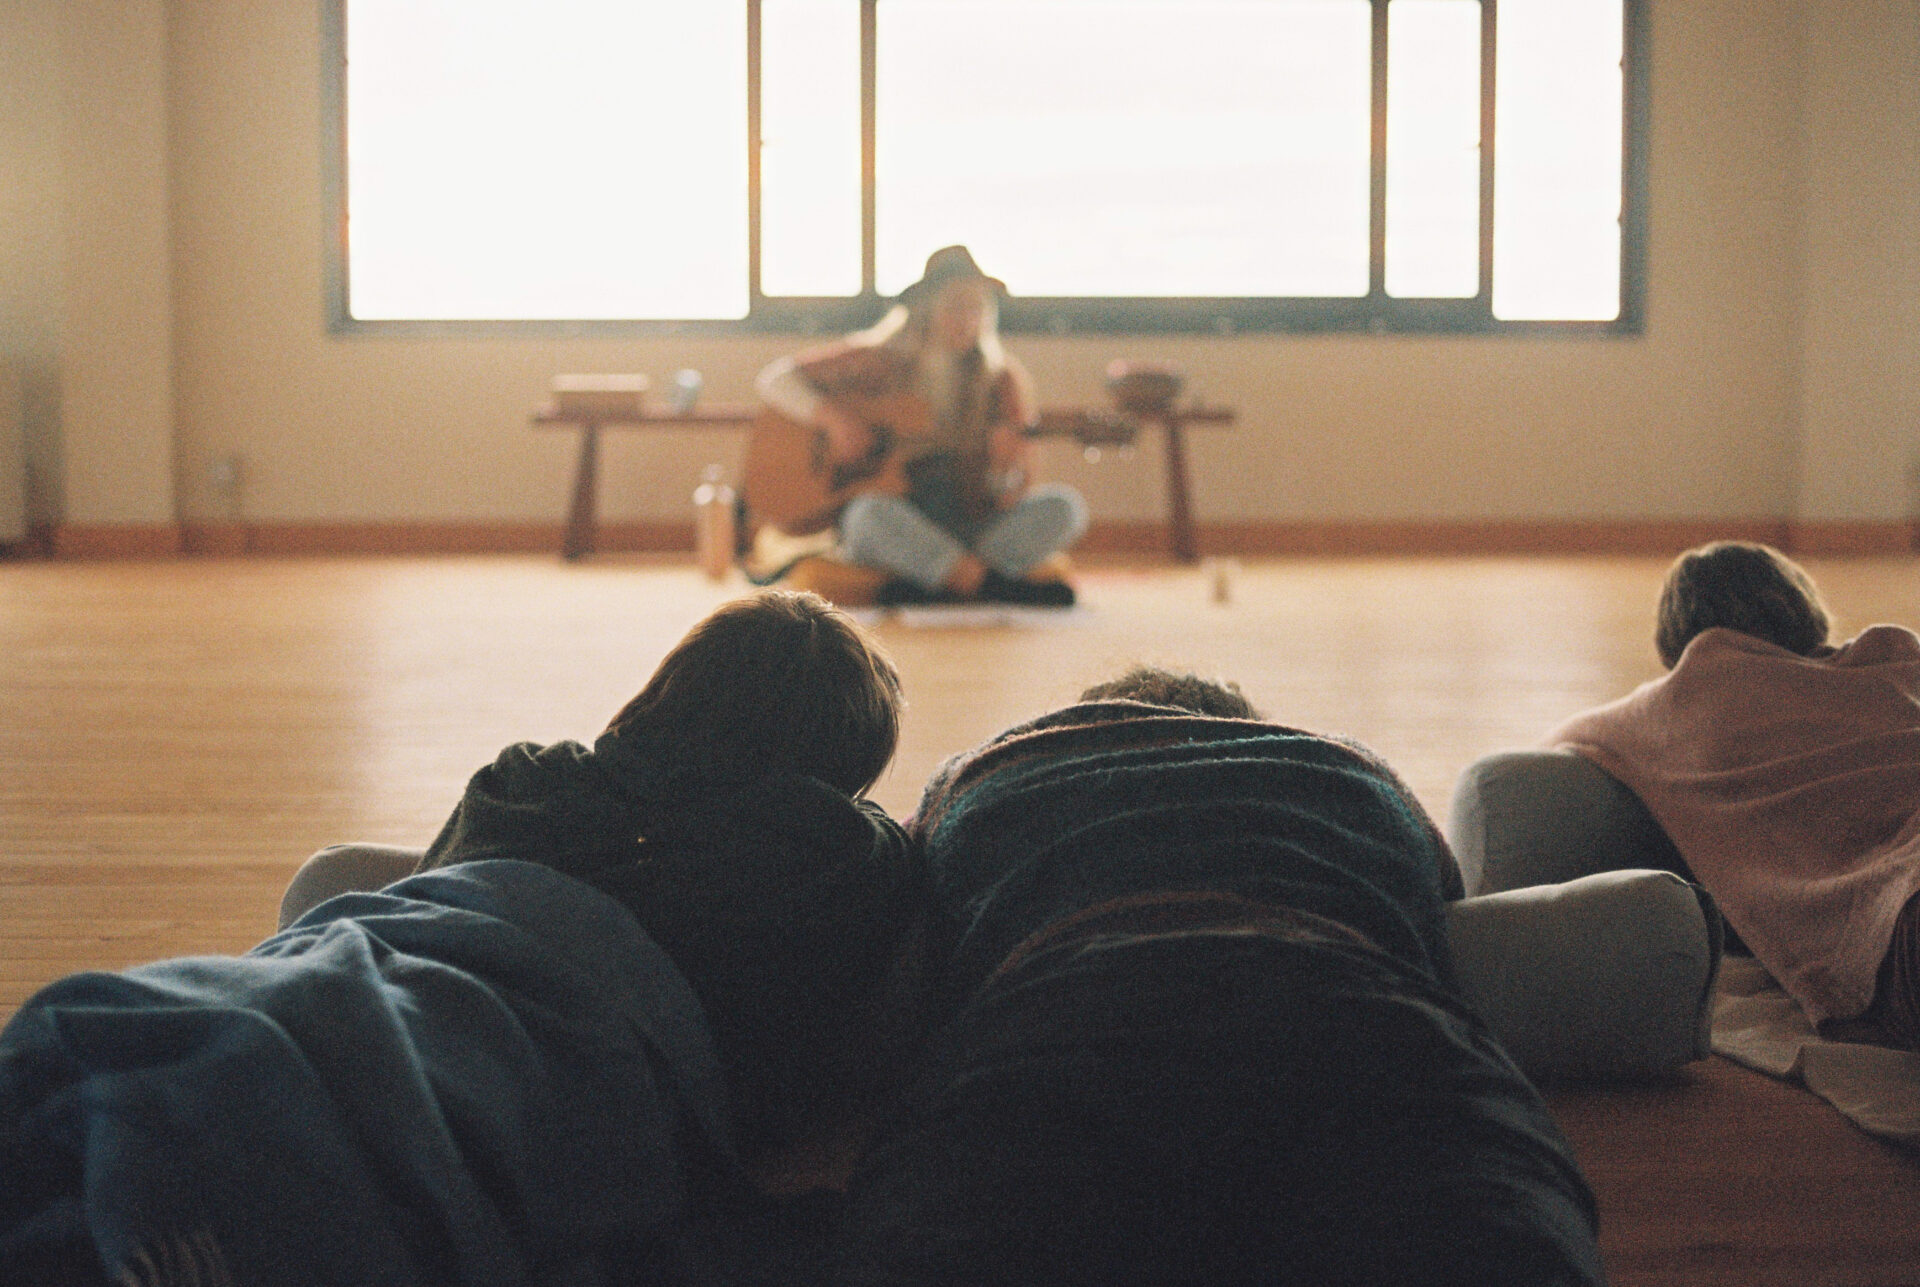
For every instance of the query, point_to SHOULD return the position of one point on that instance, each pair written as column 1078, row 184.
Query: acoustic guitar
column 791, row 481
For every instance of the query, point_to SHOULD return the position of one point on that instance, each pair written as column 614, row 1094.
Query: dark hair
column 781, row 902
column 780, row 682
column 1182, row 690
column 1739, row 585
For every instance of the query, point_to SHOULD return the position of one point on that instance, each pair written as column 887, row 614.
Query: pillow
column 1523, row 818
column 344, row 869
column 1609, row 976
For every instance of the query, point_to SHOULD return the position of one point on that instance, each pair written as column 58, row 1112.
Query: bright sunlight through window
column 1127, row 147
column 566, row 159
column 810, row 147
column 1433, row 148
column 588, row 159
column 1556, row 180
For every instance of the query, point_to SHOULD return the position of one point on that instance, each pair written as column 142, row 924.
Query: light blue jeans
column 890, row 533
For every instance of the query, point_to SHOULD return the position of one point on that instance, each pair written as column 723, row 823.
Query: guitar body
column 790, row 481
column 791, row 484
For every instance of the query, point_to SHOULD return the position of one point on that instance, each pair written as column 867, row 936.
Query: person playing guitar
column 918, row 432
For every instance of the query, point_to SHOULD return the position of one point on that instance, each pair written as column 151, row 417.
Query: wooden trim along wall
column 1839, row 538
column 1141, row 537
column 115, row 540
column 229, row 539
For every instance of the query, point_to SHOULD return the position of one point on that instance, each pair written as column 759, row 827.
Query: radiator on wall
column 13, row 459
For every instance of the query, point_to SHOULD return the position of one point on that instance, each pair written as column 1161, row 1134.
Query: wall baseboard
column 115, row 540
column 1329, row 537
column 1828, row 537
column 1487, row 536
column 230, row 539
column 1335, row 537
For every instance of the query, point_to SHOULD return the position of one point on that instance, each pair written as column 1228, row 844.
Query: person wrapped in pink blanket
column 1786, row 770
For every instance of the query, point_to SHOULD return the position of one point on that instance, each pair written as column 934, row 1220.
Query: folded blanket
column 1757, row 1024
column 1791, row 786
column 485, row 1074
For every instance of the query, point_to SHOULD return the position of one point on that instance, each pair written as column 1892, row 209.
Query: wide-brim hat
column 949, row 264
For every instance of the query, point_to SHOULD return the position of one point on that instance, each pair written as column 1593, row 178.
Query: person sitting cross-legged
column 967, row 523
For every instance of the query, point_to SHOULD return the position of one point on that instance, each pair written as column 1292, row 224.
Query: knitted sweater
column 1107, row 800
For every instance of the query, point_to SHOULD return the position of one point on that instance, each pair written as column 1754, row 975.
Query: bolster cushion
column 1523, row 818
column 1609, row 976
column 345, row 869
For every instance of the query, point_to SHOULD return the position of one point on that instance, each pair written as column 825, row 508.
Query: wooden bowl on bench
column 1143, row 388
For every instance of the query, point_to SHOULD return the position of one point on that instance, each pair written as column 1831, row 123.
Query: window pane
column 1557, row 158
column 1127, row 147
column 809, row 147
column 571, row 159
column 1433, row 148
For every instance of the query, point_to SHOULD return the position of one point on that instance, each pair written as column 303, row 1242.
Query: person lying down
column 1786, row 771
column 1197, row 1022
column 621, row 976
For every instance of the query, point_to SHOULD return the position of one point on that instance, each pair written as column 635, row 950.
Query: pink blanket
column 1791, row 785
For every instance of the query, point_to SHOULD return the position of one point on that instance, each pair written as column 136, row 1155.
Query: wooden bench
column 577, row 540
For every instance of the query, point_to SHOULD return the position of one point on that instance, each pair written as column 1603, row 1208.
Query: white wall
column 117, row 329
column 85, row 298
column 32, row 83
column 1860, row 410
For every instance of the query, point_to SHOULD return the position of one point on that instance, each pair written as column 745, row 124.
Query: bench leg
column 1179, row 496
column 577, row 541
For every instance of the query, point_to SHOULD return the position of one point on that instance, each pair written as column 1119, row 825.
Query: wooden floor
column 176, row 737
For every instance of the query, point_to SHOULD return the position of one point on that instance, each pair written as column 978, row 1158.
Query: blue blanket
column 481, row 1074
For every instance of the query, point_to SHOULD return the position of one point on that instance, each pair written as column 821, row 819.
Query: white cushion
column 1606, row 976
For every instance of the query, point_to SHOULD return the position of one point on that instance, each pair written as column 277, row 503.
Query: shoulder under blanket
column 1108, row 800
column 484, row 1074
column 1791, row 786
column 565, row 806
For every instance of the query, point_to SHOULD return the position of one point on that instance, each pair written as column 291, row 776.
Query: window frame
column 1375, row 312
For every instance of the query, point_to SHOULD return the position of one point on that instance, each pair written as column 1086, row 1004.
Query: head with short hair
column 789, row 943
column 779, row 682
column 1180, row 689
column 1743, row 586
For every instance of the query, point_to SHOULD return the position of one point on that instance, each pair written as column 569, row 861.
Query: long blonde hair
column 904, row 328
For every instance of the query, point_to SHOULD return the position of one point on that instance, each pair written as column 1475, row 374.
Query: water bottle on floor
column 713, row 539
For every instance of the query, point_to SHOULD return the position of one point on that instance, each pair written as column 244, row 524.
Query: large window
column 1122, row 164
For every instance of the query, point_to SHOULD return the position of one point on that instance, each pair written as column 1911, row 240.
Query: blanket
column 485, row 1074
column 597, row 813
column 1208, row 1109
column 781, row 899
column 1791, row 786
column 1757, row 1024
